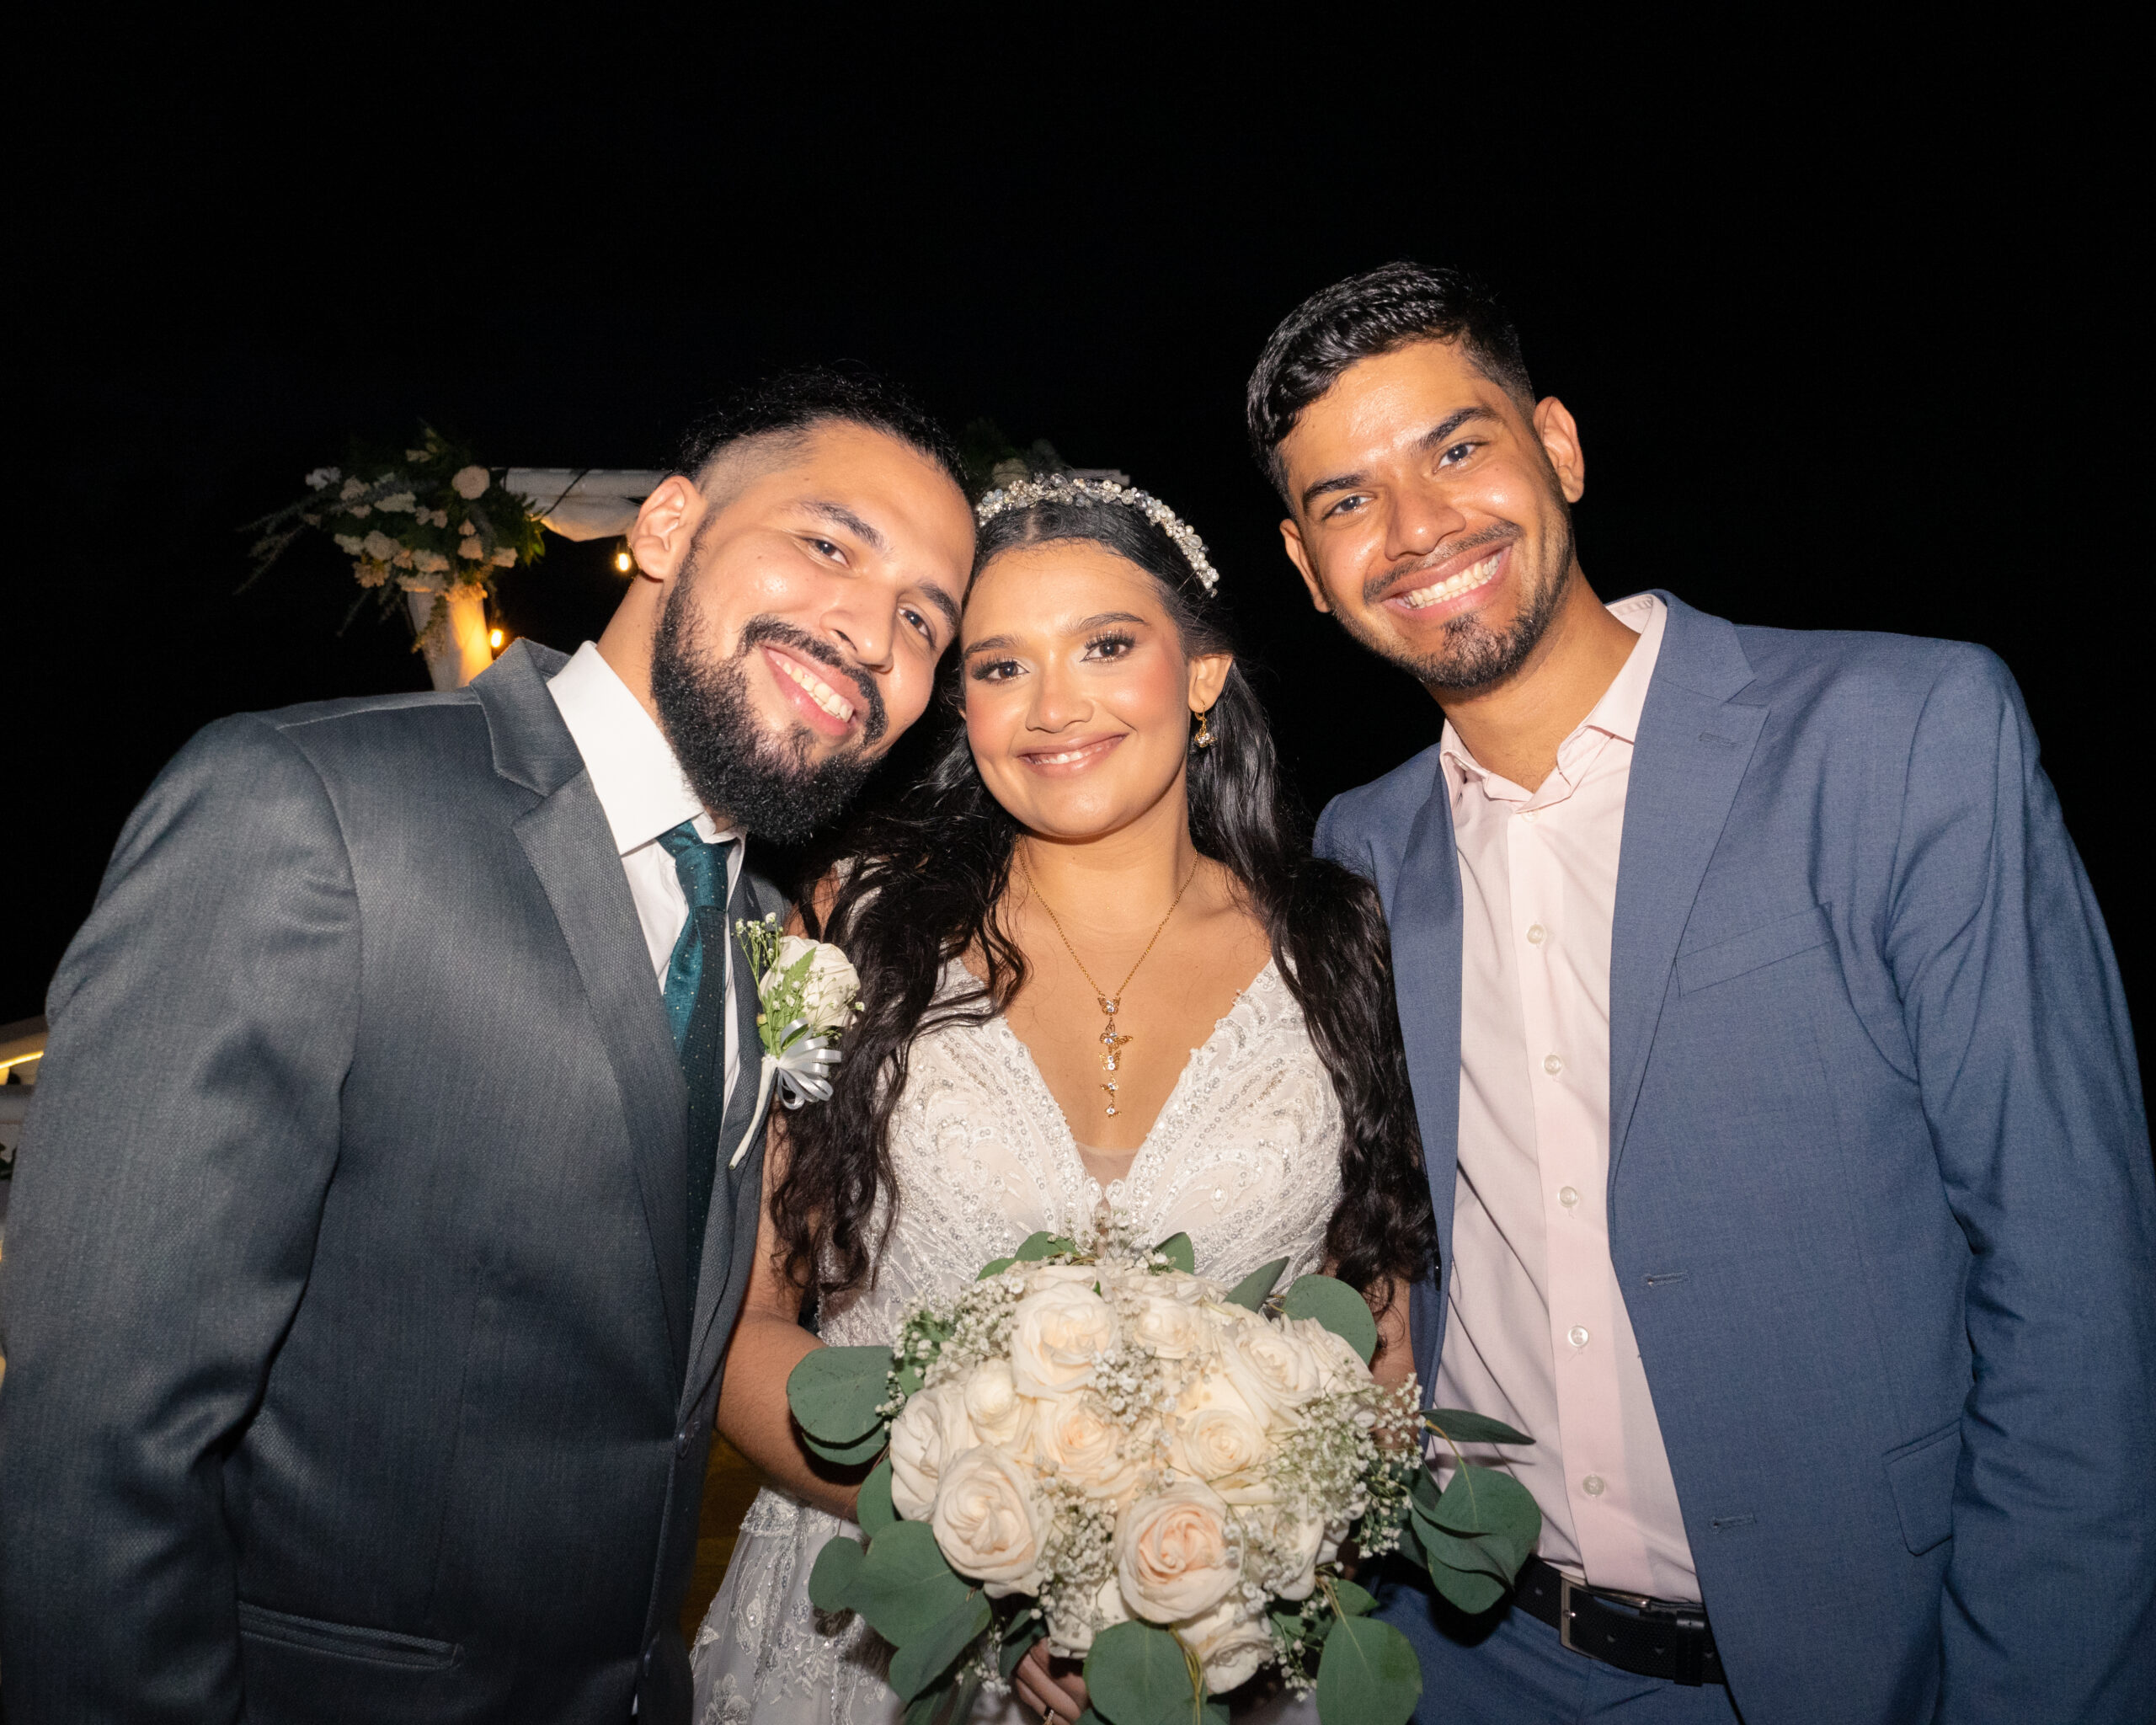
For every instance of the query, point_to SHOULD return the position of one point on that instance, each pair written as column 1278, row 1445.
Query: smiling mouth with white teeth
column 821, row 692
column 1475, row 576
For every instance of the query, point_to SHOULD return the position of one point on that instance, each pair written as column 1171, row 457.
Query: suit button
column 681, row 1444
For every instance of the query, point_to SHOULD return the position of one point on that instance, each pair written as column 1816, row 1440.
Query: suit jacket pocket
column 379, row 1647
column 1754, row 949
column 1921, row 1477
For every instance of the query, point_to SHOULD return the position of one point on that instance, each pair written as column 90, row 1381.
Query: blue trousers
column 1505, row 1668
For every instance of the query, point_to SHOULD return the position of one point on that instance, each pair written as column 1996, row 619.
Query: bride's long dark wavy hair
column 925, row 887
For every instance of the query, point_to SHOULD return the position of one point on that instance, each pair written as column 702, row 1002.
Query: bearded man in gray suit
column 394, row 1178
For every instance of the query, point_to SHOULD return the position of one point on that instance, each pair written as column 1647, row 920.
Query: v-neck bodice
column 1244, row 1156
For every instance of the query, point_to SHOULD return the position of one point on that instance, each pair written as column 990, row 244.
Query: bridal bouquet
column 1095, row 1446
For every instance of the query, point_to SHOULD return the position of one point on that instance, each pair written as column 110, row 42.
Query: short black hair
column 793, row 404
column 1364, row 316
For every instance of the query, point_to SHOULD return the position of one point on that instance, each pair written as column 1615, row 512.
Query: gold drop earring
column 1204, row 737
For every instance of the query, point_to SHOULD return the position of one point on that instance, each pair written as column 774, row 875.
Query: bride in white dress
column 1080, row 834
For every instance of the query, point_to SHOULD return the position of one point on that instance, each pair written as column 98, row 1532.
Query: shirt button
column 1552, row 1065
column 1535, row 933
column 1593, row 1485
column 1528, row 814
column 1568, row 1196
column 1576, row 1335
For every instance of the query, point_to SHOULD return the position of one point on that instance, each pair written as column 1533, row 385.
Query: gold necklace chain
column 1112, row 1040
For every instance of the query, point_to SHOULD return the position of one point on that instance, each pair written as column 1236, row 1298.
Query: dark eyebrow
column 945, row 604
column 839, row 516
column 1430, row 440
column 999, row 643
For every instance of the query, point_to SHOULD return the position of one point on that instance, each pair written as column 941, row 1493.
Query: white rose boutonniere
column 805, row 995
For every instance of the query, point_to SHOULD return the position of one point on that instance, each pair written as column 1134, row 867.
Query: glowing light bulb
column 495, row 640
column 624, row 562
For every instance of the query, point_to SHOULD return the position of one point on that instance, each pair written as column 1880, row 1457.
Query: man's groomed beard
column 733, row 763
column 1475, row 656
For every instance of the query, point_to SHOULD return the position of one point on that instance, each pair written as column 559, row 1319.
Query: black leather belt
column 1647, row 1637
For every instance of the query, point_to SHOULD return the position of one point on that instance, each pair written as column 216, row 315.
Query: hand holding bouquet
column 1095, row 1446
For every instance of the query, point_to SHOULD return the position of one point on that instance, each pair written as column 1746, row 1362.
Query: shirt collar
column 638, row 782
column 1616, row 714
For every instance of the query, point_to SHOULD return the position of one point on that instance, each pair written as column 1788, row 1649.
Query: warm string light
column 624, row 562
column 495, row 640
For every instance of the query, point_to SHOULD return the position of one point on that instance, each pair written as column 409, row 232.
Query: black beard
column 738, row 769
column 1477, row 656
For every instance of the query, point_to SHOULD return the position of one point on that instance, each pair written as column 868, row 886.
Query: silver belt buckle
column 1565, row 1588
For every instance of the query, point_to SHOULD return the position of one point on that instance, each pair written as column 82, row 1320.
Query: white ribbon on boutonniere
column 805, row 995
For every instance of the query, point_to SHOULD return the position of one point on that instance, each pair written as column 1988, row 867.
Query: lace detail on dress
column 1244, row 1158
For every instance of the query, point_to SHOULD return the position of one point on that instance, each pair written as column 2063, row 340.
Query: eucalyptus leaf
column 994, row 1266
column 925, row 1659
column 1252, row 1291
column 1040, row 1245
column 1179, row 1252
column 1480, row 1500
column 1354, row 1601
column 851, row 1455
column 1024, row 1630
column 831, row 1578
column 926, row 1708
column 834, row 1393
column 1369, row 1674
column 1472, row 1593
column 1137, row 1674
column 873, row 1510
column 1462, row 1426
column 906, row 1589
column 1338, row 1307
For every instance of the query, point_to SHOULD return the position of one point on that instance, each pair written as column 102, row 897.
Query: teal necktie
column 696, row 1006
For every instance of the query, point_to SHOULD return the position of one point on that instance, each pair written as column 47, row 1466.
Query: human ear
column 1291, row 536
column 665, row 525
column 1561, row 442
column 1208, row 675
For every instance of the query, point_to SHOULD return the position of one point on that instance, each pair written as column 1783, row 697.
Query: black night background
column 1848, row 324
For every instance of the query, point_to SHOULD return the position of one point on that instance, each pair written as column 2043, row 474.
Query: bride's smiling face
column 1079, row 696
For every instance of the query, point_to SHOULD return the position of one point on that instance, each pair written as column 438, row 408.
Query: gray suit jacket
column 349, row 1370
column 1879, row 1196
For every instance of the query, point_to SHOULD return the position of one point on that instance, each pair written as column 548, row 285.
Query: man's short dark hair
column 792, row 405
column 1364, row 316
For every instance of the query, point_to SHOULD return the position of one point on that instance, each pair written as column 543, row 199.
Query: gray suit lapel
column 1425, row 918
column 1695, row 743
column 571, row 850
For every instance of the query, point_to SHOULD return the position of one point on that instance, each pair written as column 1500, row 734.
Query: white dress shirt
column 642, row 789
column 1536, row 1331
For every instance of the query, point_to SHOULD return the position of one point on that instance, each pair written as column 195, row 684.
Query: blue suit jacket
column 1880, row 1190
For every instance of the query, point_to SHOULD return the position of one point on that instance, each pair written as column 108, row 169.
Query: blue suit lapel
column 1425, row 918
column 1695, row 743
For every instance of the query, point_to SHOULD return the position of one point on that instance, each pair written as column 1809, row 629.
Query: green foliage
column 1139, row 1673
column 1475, row 1536
column 831, row 1578
column 1040, row 1245
column 1180, row 1254
column 928, row 1657
column 851, row 1455
column 834, row 1393
column 1369, row 1674
column 1350, row 1600
column 1338, row 1307
column 994, row 1266
column 1458, row 1426
column 1256, row 1288
column 874, row 1511
column 904, row 1588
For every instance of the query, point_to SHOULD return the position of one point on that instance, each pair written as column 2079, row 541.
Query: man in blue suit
column 1784, row 1133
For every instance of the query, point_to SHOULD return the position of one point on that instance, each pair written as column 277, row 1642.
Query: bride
column 1099, row 966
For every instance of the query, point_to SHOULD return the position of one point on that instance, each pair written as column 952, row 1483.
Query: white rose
column 1218, row 1434
column 1274, row 1367
column 1232, row 1640
column 379, row 546
column 1055, row 1336
column 1174, row 1329
column 1073, row 1631
column 1339, row 1367
column 1070, row 1437
column 993, row 1405
column 1175, row 1557
column 1051, row 1275
column 1299, row 1543
column 931, row 1429
column 831, row 987
column 988, row 1523
column 471, row 482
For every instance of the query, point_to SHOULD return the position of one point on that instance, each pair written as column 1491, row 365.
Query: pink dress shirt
column 1536, row 1333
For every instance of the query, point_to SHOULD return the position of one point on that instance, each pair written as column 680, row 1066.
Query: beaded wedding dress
column 1244, row 1158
